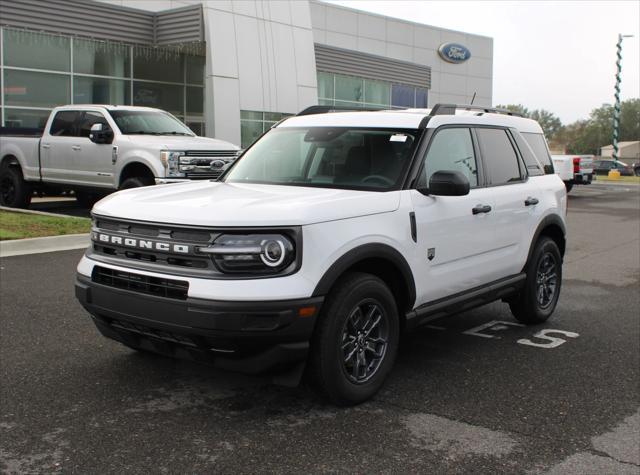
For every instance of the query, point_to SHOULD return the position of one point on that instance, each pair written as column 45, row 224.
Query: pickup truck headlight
column 171, row 163
column 252, row 253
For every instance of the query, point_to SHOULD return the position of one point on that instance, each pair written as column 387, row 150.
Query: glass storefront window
column 25, row 49
column 34, row 89
column 162, row 96
column 250, row 115
column 403, row 96
column 195, row 69
column 349, row 89
column 325, row 85
column 377, row 92
column 100, row 91
column 100, row 58
column 422, row 97
column 197, row 127
column 195, row 100
column 157, row 65
column 249, row 132
column 25, row 118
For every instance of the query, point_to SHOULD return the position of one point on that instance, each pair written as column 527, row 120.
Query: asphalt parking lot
column 474, row 393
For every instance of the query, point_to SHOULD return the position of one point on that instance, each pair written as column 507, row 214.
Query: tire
column 14, row 191
column 86, row 200
column 136, row 182
column 568, row 186
column 538, row 299
column 356, row 301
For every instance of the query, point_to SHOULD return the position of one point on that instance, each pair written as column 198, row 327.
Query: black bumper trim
column 250, row 337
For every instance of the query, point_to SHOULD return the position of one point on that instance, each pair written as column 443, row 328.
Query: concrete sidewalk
column 19, row 247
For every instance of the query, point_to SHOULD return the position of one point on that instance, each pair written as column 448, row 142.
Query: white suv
column 333, row 233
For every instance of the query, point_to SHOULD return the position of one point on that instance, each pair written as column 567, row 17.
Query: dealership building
column 229, row 69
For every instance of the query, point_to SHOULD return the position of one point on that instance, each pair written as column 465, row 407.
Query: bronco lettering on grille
column 141, row 243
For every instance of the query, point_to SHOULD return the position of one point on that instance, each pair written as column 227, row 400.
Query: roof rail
column 450, row 109
column 326, row 109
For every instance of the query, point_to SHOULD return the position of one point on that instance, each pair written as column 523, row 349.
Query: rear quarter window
column 534, row 166
column 539, row 147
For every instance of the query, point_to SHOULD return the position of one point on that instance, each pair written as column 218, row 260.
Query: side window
column 539, row 146
column 63, row 124
column 450, row 149
column 534, row 167
column 499, row 156
column 88, row 119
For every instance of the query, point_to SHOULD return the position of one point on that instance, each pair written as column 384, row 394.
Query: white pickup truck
column 97, row 149
column 573, row 169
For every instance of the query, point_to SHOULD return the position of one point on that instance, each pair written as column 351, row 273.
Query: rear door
column 58, row 145
column 515, row 195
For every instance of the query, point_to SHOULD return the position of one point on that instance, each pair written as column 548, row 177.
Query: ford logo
column 454, row 53
column 217, row 164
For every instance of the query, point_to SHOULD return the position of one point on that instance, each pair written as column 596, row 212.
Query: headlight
column 171, row 163
column 252, row 253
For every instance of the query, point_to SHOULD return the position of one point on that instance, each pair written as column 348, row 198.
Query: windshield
column 137, row 122
column 366, row 159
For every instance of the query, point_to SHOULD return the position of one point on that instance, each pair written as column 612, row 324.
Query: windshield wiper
column 172, row 133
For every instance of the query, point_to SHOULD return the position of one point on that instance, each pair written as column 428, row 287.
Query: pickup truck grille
column 206, row 164
column 211, row 153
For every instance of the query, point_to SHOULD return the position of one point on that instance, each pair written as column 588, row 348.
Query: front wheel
column 356, row 340
column 538, row 299
column 136, row 182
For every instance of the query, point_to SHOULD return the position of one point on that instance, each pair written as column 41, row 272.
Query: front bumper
column 250, row 337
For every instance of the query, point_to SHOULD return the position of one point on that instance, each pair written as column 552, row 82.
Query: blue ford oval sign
column 454, row 52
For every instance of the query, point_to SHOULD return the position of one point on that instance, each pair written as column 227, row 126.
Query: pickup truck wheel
column 14, row 191
column 136, row 182
column 537, row 300
column 568, row 186
column 356, row 339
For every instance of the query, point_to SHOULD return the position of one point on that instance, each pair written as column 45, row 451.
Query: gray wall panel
column 342, row 61
column 105, row 21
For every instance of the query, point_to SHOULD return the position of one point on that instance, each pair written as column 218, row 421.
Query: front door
column 455, row 244
column 93, row 161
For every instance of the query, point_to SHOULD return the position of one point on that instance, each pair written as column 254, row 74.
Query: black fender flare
column 361, row 253
column 550, row 220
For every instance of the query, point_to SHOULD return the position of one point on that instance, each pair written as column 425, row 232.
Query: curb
column 32, row 211
column 20, row 247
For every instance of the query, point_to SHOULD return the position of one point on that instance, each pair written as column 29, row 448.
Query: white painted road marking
column 553, row 342
column 495, row 325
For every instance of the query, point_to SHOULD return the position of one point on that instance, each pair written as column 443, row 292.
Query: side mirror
column 447, row 183
column 100, row 135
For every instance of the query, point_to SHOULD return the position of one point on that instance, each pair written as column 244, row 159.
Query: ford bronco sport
column 332, row 234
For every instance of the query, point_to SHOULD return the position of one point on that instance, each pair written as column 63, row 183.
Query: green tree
column 549, row 122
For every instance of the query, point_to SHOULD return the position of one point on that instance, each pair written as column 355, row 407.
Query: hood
column 231, row 204
column 180, row 143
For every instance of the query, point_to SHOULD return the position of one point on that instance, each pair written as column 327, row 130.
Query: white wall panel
column 371, row 26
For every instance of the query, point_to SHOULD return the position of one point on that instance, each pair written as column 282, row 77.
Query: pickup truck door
column 57, row 148
column 92, row 161
column 455, row 234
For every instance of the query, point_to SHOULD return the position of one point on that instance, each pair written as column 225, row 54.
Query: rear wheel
column 568, row 186
column 539, row 297
column 14, row 191
column 356, row 339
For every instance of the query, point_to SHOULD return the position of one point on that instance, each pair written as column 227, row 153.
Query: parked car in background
column 97, row 149
column 604, row 166
column 573, row 169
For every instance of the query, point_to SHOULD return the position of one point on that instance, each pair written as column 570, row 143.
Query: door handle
column 481, row 209
column 46, row 145
column 531, row 201
column 75, row 147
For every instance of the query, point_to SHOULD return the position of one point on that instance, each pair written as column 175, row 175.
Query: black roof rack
column 325, row 109
column 450, row 109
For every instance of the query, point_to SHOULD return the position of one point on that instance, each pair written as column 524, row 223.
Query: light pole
column 616, row 107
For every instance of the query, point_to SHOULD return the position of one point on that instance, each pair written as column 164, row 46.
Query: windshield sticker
column 398, row 138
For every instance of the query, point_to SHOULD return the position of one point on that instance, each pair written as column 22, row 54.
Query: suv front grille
column 160, row 287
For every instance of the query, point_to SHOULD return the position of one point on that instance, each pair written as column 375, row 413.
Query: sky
column 554, row 55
